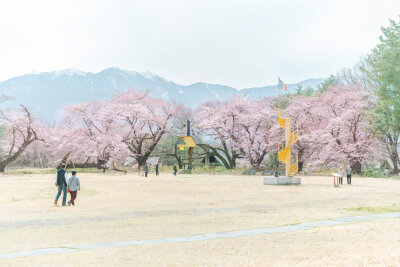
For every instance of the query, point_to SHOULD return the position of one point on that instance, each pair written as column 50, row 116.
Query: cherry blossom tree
column 258, row 133
column 335, row 129
column 19, row 129
column 306, row 119
column 91, row 131
column 130, row 124
column 243, row 127
column 142, row 121
column 214, row 121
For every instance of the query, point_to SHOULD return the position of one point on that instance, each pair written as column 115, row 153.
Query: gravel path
column 202, row 237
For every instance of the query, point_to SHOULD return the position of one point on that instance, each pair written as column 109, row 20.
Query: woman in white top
column 73, row 187
column 341, row 173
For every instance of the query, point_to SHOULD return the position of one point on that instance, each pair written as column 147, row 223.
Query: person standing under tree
column 341, row 173
column 74, row 186
column 146, row 170
column 157, row 173
column 348, row 174
column 61, row 184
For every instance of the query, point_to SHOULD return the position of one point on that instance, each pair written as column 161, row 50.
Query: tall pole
column 190, row 150
column 188, row 128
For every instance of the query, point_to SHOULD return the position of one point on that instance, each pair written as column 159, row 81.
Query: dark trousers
column 157, row 173
column 340, row 180
column 64, row 191
column 145, row 174
column 73, row 196
column 349, row 179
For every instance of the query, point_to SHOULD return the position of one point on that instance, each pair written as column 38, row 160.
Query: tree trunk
column 207, row 157
column 356, row 167
column 391, row 141
column 175, row 155
column 117, row 169
column 394, row 157
column 12, row 158
column 180, row 163
column 229, row 163
column 190, row 155
column 301, row 166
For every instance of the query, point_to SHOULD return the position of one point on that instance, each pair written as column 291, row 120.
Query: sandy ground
column 127, row 207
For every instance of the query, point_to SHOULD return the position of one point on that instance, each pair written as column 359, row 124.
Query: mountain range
column 47, row 92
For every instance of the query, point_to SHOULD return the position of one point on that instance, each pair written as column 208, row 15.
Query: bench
column 267, row 172
column 249, row 172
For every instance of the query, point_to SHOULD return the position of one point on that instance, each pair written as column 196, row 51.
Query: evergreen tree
column 383, row 67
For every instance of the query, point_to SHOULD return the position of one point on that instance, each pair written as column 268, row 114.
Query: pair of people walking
column 348, row 174
column 65, row 185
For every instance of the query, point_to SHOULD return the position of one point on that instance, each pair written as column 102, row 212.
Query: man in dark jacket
column 348, row 174
column 175, row 170
column 157, row 166
column 146, row 170
column 61, row 184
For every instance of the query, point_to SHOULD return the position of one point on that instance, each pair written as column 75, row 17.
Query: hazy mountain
column 47, row 92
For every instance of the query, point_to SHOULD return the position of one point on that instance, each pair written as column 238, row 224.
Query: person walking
column 146, row 170
column 73, row 187
column 157, row 166
column 175, row 169
column 61, row 184
column 348, row 174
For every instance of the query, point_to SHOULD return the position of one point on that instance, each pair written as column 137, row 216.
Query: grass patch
column 30, row 171
column 16, row 199
column 185, row 172
column 377, row 209
column 218, row 170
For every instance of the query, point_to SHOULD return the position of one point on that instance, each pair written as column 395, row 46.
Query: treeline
column 352, row 118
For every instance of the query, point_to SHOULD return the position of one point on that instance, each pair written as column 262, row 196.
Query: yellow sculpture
column 187, row 142
column 285, row 154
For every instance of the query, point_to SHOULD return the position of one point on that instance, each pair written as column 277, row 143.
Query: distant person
column 175, row 169
column 348, row 174
column 146, row 170
column 61, row 184
column 212, row 169
column 74, row 186
column 341, row 173
column 157, row 173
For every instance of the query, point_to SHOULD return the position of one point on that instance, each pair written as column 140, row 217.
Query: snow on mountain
column 47, row 92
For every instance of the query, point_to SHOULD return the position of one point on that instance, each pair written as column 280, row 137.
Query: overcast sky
column 237, row 43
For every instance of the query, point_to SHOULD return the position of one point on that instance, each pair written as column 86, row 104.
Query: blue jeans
column 64, row 189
